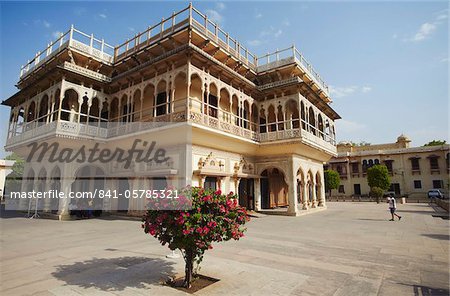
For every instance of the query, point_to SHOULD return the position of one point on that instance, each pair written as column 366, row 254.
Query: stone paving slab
column 348, row 249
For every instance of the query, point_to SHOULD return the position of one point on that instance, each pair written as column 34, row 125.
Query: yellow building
column 413, row 170
column 258, row 126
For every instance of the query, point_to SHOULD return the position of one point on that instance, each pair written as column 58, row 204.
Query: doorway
column 246, row 193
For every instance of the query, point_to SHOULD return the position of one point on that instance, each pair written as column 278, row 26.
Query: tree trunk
column 189, row 259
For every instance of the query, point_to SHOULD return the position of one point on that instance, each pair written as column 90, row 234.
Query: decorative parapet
column 292, row 80
column 85, row 72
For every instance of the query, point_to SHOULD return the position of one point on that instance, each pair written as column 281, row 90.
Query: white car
column 435, row 193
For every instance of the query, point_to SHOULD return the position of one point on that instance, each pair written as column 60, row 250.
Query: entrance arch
column 274, row 189
column 89, row 178
column 246, row 193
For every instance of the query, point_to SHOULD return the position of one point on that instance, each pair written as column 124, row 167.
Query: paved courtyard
column 349, row 249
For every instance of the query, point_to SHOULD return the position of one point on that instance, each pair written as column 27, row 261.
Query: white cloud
column 424, row 31
column 258, row 15
column 366, row 89
column 255, row 42
column 214, row 16
column 444, row 60
column 286, row 23
column 340, row 92
column 131, row 29
column 427, row 29
column 102, row 15
column 441, row 17
column 46, row 24
column 394, row 36
column 57, row 34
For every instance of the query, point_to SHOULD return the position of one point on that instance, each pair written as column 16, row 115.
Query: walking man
column 393, row 207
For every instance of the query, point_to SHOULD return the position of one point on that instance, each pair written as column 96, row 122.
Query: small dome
column 403, row 138
column 344, row 143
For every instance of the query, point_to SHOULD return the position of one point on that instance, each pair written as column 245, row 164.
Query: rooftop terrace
column 178, row 21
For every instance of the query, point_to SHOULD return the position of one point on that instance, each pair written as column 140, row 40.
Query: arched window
column 303, row 115
column 245, row 115
column 94, row 111
column 162, row 98
column 280, row 118
column 271, row 119
column 262, row 121
column 69, row 111
column 148, row 103
column 224, row 105
column 312, row 121
column 43, row 109
column 84, row 109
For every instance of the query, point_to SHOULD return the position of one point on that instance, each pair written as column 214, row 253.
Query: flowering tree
column 214, row 217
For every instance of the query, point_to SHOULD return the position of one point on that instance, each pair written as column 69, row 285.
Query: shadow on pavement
column 115, row 274
column 420, row 290
column 438, row 236
column 416, row 212
column 4, row 214
column 364, row 219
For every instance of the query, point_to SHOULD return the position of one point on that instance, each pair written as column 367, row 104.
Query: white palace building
column 259, row 126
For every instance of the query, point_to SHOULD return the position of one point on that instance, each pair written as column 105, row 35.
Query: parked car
column 435, row 193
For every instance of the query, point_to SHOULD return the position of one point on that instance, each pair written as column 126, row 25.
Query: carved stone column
column 257, row 194
column 305, row 196
column 66, row 187
column 292, row 196
column 314, row 196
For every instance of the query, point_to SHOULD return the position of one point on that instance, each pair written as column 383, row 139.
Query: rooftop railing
column 153, row 34
column 287, row 55
column 212, row 31
column 76, row 39
column 189, row 16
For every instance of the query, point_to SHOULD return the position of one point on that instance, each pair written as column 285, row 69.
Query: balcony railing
column 106, row 130
column 189, row 16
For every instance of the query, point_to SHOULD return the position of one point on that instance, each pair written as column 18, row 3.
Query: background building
column 258, row 126
column 413, row 170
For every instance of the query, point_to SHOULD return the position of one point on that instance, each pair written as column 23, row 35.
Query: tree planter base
column 198, row 283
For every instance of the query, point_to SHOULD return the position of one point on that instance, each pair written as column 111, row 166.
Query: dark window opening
column 437, row 184
column 388, row 164
column 355, row 168
column 415, row 164
column 434, row 164
column 161, row 100
column 210, row 183
column 417, row 184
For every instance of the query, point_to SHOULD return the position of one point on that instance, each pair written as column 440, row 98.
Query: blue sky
column 387, row 62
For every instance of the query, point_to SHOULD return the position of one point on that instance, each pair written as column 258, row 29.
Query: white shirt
column 392, row 203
